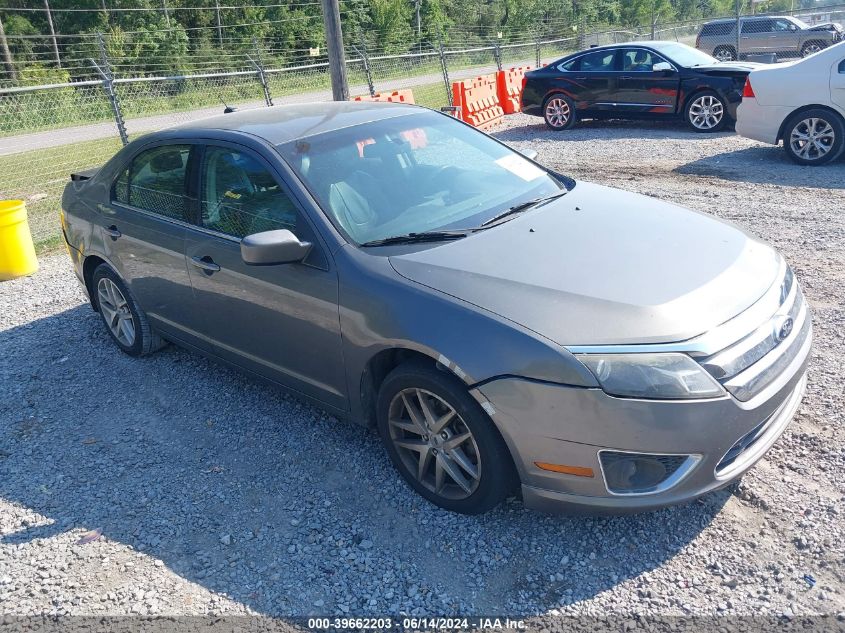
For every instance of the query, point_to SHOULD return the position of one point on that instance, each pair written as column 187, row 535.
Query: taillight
column 524, row 81
column 698, row 41
column 748, row 91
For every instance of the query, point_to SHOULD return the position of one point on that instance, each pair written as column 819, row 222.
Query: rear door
column 756, row 35
column 640, row 88
column 144, row 233
column 596, row 77
column 280, row 321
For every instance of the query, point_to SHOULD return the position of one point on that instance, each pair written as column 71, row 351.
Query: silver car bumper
column 721, row 438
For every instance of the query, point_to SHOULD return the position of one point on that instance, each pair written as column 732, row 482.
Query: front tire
column 811, row 47
column 559, row 112
column 441, row 441
column 125, row 321
column 814, row 137
column 706, row 112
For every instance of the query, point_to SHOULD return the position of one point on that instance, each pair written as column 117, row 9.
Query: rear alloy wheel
column 559, row 112
column 811, row 47
column 126, row 322
column 441, row 441
column 725, row 54
column 814, row 137
column 705, row 112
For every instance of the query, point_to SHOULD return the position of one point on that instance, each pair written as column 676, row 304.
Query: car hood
column 603, row 266
column 826, row 26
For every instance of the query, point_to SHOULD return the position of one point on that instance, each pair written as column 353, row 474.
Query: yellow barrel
column 17, row 253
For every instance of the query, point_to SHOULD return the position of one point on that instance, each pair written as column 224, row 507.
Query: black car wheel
column 559, row 112
column 706, row 112
column 811, row 47
column 441, row 441
column 125, row 321
column 725, row 53
column 814, row 137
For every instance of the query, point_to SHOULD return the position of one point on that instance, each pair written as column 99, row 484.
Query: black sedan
column 637, row 80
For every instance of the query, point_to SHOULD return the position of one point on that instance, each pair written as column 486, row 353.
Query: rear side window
column 239, row 196
column 568, row 66
column 598, row 61
column 842, row 67
column 155, row 182
column 717, row 28
column 758, row 26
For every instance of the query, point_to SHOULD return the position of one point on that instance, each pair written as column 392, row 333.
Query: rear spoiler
column 85, row 174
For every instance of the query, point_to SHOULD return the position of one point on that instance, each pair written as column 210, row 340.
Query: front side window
column 413, row 173
column 638, row 60
column 783, row 25
column 155, row 181
column 239, row 196
column 597, row 62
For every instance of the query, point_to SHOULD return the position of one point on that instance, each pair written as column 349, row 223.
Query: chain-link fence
column 79, row 114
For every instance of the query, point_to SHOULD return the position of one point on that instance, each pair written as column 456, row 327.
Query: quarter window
column 598, row 61
column 155, row 181
column 239, row 196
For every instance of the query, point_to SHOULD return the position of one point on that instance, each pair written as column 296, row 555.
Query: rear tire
column 814, row 137
column 441, row 441
column 125, row 321
column 725, row 53
column 559, row 112
column 706, row 112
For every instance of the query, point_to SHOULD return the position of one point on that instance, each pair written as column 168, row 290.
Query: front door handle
column 205, row 263
column 113, row 232
column 581, row 78
column 627, row 77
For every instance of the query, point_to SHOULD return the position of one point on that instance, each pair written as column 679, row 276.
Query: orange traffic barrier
column 509, row 86
column 478, row 100
column 397, row 96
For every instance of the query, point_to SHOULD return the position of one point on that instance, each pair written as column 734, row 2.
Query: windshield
column 412, row 174
column 686, row 55
column 801, row 24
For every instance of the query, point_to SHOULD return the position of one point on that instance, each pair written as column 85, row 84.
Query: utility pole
column 52, row 32
column 334, row 47
column 738, row 11
column 219, row 23
column 7, row 54
column 166, row 12
column 417, row 4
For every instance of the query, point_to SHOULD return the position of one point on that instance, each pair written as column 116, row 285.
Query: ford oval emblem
column 784, row 329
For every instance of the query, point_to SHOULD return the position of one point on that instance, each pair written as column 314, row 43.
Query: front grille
column 748, row 365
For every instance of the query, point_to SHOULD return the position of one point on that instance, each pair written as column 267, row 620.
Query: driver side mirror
column 663, row 67
column 273, row 247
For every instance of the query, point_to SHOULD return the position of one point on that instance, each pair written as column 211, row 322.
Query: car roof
column 655, row 44
column 745, row 18
column 283, row 123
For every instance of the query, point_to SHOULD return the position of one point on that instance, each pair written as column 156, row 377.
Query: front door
column 144, row 234
column 837, row 82
column 279, row 321
column 641, row 89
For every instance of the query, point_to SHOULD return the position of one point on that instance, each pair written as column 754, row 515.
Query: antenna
column 227, row 108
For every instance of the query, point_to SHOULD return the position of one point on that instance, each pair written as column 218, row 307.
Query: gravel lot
column 210, row 494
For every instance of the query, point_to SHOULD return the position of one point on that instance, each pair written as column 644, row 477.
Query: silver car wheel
column 706, row 112
column 812, row 139
column 557, row 112
column 115, row 310
column 724, row 55
column 434, row 443
column 809, row 49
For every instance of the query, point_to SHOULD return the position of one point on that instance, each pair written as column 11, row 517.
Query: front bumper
column 556, row 424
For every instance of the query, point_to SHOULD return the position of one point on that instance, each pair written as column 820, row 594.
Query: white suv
column 801, row 103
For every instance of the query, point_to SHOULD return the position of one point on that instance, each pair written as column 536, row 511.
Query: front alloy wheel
column 809, row 48
column 706, row 113
column 441, row 441
column 814, row 137
column 434, row 443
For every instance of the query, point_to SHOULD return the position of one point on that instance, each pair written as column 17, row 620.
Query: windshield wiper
column 424, row 236
column 523, row 206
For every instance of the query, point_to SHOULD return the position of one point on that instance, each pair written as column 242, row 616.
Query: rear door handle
column 581, row 78
column 205, row 263
column 113, row 232
column 627, row 77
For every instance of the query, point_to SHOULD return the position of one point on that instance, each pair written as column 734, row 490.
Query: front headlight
column 655, row 376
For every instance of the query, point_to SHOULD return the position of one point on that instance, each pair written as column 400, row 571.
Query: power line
column 160, row 9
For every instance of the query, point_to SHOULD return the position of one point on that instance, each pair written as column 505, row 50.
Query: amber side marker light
column 578, row 471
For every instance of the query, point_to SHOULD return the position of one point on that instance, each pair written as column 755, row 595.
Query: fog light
column 642, row 473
